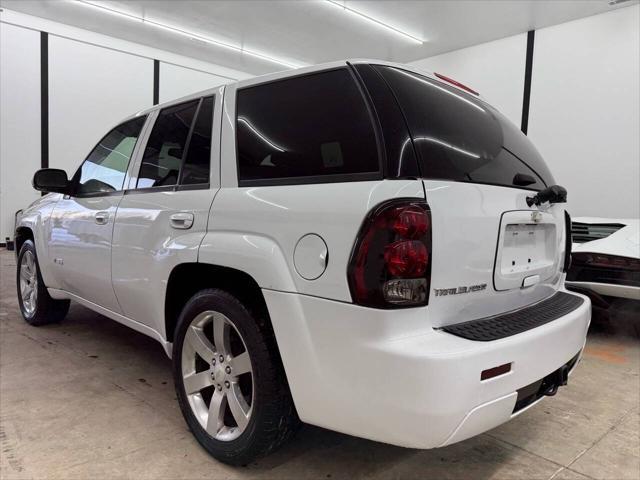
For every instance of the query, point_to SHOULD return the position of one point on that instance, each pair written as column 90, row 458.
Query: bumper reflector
column 495, row 371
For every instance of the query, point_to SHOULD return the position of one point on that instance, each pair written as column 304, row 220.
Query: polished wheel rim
column 217, row 375
column 28, row 282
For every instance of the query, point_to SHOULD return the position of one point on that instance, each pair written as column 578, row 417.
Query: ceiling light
column 112, row 11
column 185, row 33
column 374, row 21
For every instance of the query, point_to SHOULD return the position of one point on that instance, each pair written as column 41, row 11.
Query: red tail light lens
column 411, row 222
column 406, row 258
column 390, row 262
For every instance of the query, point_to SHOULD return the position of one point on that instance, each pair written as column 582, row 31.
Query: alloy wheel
column 217, row 375
column 28, row 282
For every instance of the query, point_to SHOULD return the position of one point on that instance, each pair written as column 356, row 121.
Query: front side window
column 315, row 125
column 106, row 166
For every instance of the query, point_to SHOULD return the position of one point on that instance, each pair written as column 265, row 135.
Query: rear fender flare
column 257, row 255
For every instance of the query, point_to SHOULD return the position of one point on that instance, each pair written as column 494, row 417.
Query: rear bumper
column 389, row 376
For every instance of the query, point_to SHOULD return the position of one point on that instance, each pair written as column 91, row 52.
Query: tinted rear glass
column 314, row 125
column 459, row 137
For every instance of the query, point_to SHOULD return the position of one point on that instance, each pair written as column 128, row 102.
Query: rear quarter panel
column 256, row 229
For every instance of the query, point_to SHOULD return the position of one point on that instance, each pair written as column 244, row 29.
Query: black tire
column 273, row 419
column 47, row 310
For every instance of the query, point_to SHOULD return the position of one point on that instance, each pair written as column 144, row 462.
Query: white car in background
column 605, row 258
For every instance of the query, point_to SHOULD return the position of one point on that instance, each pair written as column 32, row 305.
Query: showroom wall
column 19, row 121
column 92, row 82
column 584, row 106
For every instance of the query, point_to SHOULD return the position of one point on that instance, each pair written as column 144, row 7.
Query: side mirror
column 51, row 180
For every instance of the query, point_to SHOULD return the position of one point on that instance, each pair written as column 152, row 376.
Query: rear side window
column 198, row 160
column 308, row 129
column 457, row 137
column 163, row 154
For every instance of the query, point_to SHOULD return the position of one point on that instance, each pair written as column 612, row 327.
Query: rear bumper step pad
column 518, row 321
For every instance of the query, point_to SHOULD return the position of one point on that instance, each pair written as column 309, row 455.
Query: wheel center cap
column 218, row 374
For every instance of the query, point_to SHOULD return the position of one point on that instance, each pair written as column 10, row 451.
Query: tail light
column 568, row 241
column 606, row 261
column 603, row 268
column 390, row 263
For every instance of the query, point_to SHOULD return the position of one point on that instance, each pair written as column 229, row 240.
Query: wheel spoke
column 31, row 263
column 241, row 364
column 215, row 420
column 24, row 274
column 200, row 343
column 238, row 406
column 197, row 381
column 220, row 335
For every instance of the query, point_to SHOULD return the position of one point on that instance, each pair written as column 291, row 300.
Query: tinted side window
column 165, row 148
column 105, row 167
column 458, row 137
column 198, row 162
column 308, row 126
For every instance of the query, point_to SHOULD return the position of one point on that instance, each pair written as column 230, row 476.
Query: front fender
column 37, row 218
column 257, row 255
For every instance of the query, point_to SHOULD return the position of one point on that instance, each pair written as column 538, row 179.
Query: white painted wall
column 585, row 110
column 19, row 121
column 176, row 81
column 94, row 81
column 584, row 114
column 91, row 89
column 495, row 69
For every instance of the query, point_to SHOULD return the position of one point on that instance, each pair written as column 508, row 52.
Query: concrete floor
column 89, row 398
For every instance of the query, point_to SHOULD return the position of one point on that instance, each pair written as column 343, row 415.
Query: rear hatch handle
column 552, row 194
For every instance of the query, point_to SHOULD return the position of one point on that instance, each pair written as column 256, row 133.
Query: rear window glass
column 457, row 137
column 314, row 126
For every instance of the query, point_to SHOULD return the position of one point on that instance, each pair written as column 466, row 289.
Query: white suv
column 355, row 245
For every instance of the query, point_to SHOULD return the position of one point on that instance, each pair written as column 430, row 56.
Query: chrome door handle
column 102, row 218
column 182, row 220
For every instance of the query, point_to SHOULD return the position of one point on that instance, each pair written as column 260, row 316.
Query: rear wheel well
column 189, row 278
column 22, row 234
